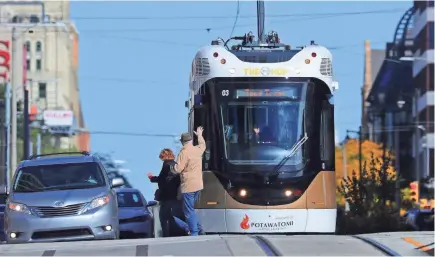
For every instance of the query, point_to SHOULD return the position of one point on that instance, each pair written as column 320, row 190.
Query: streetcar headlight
column 243, row 193
column 18, row 207
column 97, row 202
column 288, row 193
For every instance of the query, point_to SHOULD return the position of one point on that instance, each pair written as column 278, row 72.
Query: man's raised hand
column 198, row 131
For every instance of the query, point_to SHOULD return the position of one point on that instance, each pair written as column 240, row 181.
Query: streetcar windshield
column 261, row 124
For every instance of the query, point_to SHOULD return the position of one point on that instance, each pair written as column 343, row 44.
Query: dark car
column 3, row 197
column 135, row 219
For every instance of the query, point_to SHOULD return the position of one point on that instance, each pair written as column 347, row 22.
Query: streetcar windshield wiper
column 293, row 151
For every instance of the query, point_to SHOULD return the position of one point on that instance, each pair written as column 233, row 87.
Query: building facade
column 400, row 103
column 423, row 79
column 389, row 121
column 51, row 58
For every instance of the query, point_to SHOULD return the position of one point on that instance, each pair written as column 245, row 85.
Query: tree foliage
column 372, row 190
column 370, row 197
column 369, row 150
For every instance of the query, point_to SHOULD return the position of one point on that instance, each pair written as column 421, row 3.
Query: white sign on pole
column 53, row 118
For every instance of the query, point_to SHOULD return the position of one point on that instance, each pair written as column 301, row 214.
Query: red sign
column 5, row 61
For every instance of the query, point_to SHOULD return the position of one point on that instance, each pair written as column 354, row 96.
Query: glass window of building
column 28, row 47
column 42, row 89
column 38, row 46
column 38, row 64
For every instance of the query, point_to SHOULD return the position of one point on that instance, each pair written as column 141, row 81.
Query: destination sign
column 274, row 92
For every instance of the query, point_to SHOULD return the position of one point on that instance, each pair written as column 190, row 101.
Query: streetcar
column 268, row 117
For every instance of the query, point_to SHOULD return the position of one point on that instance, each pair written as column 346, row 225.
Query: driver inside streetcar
column 264, row 135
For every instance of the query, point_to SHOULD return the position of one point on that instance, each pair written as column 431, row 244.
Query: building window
column 42, row 89
column 28, row 46
column 38, row 64
column 28, row 62
column 17, row 19
column 34, row 19
column 38, row 46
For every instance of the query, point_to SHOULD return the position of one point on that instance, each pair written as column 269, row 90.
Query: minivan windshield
column 59, row 177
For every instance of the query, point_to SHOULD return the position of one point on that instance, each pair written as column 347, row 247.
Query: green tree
column 370, row 197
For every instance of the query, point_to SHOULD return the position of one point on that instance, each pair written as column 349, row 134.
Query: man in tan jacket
column 189, row 165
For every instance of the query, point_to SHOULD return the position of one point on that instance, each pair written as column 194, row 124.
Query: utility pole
column 416, row 137
column 38, row 143
column 360, row 151
column 16, row 81
column 359, row 133
column 346, row 206
column 397, row 168
column 26, row 129
column 8, row 129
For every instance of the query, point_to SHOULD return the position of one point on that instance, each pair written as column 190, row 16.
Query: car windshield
column 260, row 130
column 59, row 177
column 129, row 199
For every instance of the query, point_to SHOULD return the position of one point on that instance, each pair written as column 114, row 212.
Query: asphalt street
column 233, row 245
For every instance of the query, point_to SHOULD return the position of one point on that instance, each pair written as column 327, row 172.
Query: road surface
column 236, row 245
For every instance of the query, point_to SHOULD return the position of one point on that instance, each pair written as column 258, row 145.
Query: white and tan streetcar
column 268, row 115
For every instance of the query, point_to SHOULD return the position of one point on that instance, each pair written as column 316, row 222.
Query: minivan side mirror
column 152, row 203
column 117, row 182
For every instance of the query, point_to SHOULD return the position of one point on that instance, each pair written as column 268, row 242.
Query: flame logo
column 245, row 223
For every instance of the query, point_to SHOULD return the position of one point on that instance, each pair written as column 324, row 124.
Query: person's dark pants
column 190, row 214
column 169, row 210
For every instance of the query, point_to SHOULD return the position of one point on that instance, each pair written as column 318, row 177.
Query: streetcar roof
column 214, row 61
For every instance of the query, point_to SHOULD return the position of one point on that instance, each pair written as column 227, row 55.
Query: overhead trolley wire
column 123, row 133
column 138, row 134
column 304, row 18
column 296, row 18
column 234, row 17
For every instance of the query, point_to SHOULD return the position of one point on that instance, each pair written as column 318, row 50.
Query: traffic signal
column 414, row 192
column 33, row 113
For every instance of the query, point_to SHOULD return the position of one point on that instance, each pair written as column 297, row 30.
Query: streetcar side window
column 200, row 114
column 199, row 120
column 327, row 151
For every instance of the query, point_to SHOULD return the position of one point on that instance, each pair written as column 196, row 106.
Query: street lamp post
column 359, row 133
column 344, row 155
column 26, row 128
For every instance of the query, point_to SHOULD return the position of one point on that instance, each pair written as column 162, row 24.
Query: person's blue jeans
column 190, row 214
column 168, row 213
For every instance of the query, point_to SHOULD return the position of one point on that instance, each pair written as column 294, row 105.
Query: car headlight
column 97, row 202
column 18, row 207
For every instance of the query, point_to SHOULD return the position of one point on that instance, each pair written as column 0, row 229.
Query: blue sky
column 134, row 72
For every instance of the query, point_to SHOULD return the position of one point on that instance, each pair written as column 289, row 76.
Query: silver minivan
column 61, row 198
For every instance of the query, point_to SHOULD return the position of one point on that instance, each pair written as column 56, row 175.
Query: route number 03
column 225, row 92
